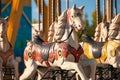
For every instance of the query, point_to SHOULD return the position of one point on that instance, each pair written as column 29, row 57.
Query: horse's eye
column 72, row 16
column 78, row 14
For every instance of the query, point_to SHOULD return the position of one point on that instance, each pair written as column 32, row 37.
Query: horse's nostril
column 79, row 25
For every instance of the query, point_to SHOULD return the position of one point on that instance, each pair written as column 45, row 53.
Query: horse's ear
column 81, row 8
column 6, row 18
column 74, row 6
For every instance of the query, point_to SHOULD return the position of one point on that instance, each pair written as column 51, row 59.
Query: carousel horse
column 107, row 31
column 6, row 52
column 114, row 28
column 107, row 52
column 101, row 32
column 56, row 31
column 57, row 53
column 112, row 32
column 103, row 52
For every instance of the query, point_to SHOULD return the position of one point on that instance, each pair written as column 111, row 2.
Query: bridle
column 69, row 19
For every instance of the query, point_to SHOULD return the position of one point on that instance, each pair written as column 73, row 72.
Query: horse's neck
column 118, row 37
column 73, row 39
column 4, row 44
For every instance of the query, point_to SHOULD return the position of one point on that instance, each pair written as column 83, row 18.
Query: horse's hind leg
column 29, row 70
column 76, row 67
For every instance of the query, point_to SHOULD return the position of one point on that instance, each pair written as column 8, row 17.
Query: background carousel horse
column 105, row 52
column 57, row 53
column 107, row 31
column 112, row 32
column 6, row 52
column 114, row 28
column 101, row 32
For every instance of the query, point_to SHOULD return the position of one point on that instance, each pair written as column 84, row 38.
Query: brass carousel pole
column 103, row 8
column 45, row 19
column 59, row 7
column 53, row 10
column 109, row 10
column 39, row 14
column 0, row 7
column 98, row 11
column 115, row 7
column 67, row 4
column 50, row 12
column 104, row 12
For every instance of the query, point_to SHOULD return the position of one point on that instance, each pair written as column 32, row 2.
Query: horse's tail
column 51, row 32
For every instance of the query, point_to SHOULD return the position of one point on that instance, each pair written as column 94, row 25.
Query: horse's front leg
column 29, row 71
column 1, row 74
column 11, row 62
column 77, row 67
column 93, row 65
column 16, row 66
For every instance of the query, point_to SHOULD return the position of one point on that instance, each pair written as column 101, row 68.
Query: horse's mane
column 5, row 45
column 56, row 30
column 114, row 27
column 3, row 24
column 112, row 30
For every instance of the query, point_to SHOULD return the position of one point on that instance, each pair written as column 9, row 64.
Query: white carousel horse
column 57, row 53
column 56, row 31
column 6, row 53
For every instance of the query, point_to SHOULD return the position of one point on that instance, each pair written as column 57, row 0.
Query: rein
column 81, row 33
column 115, row 39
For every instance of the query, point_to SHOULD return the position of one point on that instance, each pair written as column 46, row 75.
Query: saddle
column 44, row 47
column 96, row 46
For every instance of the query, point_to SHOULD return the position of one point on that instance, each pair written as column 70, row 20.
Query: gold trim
column 104, row 50
column 87, row 51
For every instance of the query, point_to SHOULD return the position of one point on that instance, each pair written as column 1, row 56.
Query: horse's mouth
column 78, row 30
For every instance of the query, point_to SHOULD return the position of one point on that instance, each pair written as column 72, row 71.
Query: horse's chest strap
column 76, row 53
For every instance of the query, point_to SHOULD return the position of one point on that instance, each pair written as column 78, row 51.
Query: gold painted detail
column 104, row 50
column 87, row 51
column 113, row 45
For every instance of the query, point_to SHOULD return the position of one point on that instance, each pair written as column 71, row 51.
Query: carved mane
column 58, row 26
column 4, row 44
column 108, row 31
column 114, row 29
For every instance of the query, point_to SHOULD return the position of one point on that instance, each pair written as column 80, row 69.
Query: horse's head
column 75, row 18
column 3, row 26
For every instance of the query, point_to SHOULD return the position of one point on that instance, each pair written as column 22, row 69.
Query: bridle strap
column 68, row 17
column 81, row 33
